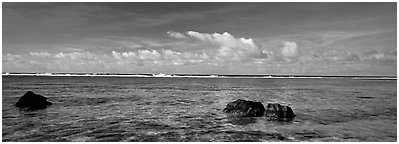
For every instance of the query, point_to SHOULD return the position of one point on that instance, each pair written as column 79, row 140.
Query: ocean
column 131, row 109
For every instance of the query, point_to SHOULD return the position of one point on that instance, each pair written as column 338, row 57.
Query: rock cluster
column 246, row 108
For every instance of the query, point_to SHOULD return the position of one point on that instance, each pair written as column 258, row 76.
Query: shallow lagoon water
column 190, row 109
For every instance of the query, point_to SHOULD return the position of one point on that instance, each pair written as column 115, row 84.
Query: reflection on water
column 189, row 109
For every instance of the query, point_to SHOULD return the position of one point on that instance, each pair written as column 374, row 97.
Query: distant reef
column 101, row 74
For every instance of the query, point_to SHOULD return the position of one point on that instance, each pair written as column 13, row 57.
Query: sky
column 201, row 38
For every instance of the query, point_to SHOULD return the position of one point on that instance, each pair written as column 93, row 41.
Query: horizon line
column 179, row 74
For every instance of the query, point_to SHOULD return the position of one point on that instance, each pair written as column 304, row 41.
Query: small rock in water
column 245, row 108
column 276, row 110
column 32, row 101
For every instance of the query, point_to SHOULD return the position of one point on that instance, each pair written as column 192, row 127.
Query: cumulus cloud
column 351, row 57
column 379, row 56
column 179, row 58
column 229, row 46
column 75, row 55
column 369, row 55
column 44, row 61
column 40, row 54
column 148, row 55
column 61, row 55
column 339, row 55
column 169, row 54
column 124, row 58
column 176, row 35
column 15, row 63
column 159, row 57
column 95, row 62
column 290, row 49
column 11, row 57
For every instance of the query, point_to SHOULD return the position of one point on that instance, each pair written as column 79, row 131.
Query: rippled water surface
column 190, row 109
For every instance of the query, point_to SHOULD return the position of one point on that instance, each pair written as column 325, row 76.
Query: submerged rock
column 32, row 101
column 245, row 108
column 276, row 110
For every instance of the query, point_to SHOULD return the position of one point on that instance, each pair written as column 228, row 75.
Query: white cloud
column 229, row 46
column 41, row 54
column 75, row 55
column 351, row 57
column 170, row 55
column 121, row 57
column 176, row 35
column 200, row 36
column 149, row 55
column 44, row 61
column 290, row 49
column 338, row 56
column 136, row 58
column 159, row 57
column 379, row 56
column 11, row 57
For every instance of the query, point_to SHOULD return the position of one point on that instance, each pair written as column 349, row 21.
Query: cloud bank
column 161, row 57
column 203, row 52
column 229, row 47
column 290, row 49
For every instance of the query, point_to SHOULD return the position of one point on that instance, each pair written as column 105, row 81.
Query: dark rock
column 245, row 108
column 32, row 101
column 276, row 110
